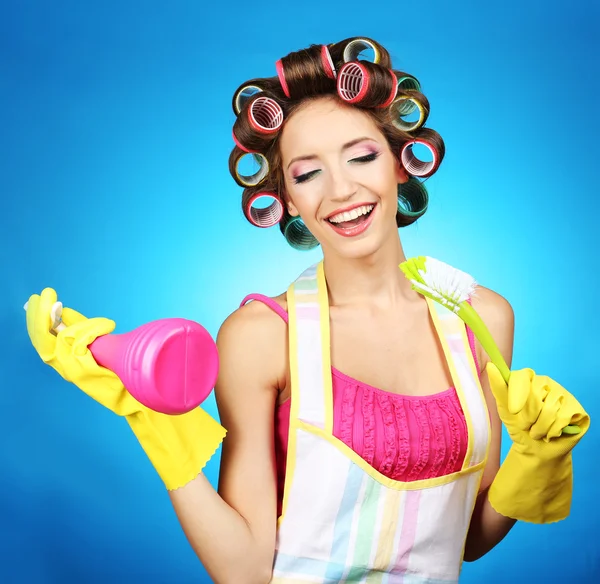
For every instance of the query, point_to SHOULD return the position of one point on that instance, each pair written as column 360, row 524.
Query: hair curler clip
column 262, row 217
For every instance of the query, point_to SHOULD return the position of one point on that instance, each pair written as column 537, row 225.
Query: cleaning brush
column 452, row 288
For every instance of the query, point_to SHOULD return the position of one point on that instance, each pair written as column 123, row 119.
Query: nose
column 343, row 185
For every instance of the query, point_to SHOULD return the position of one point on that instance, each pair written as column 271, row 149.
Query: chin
column 357, row 249
column 364, row 246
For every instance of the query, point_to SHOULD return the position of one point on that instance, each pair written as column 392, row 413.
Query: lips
column 356, row 225
column 348, row 209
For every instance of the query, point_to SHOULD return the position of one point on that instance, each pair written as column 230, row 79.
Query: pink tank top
column 406, row 438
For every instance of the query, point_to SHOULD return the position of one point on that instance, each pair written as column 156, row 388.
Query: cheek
column 386, row 184
column 306, row 203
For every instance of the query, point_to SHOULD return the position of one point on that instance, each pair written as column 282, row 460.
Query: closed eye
column 306, row 176
column 366, row 158
column 360, row 159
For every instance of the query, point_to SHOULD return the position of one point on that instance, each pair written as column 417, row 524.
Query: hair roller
column 239, row 156
column 307, row 73
column 407, row 81
column 361, row 49
column 261, row 217
column 404, row 105
column 367, row 85
column 259, row 120
column 433, row 142
column 281, row 75
column 413, row 201
column 243, row 93
column 297, row 234
column 407, row 84
column 327, row 62
column 265, row 115
column 356, row 46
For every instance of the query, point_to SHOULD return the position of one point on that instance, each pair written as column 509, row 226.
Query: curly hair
column 387, row 95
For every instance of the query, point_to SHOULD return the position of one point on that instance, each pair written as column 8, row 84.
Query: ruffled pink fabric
column 405, row 438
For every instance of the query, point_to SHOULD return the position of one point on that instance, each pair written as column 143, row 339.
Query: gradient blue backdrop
column 115, row 125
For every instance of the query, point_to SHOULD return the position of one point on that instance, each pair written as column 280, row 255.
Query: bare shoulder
column 492, row 307
column 253, row 339
column 498, row 315
column 256, row 320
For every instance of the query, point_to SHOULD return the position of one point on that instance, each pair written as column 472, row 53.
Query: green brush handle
column 470, row 317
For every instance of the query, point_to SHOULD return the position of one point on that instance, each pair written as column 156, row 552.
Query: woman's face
column 340, row 177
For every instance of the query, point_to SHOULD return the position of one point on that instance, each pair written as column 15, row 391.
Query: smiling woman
column 309, row 79
column 352, row 168
column 363, row 436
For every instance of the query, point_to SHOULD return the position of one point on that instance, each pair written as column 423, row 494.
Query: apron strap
column 309, row 349
column 310, row 361
column 457, row 349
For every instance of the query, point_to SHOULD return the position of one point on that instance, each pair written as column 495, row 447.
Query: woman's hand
column 67, row 352
column 535, row 409
column 534, row 482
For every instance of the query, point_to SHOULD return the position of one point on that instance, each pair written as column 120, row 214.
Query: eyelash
column 361, row 160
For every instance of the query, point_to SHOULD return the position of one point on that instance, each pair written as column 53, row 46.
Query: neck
column 372, row 280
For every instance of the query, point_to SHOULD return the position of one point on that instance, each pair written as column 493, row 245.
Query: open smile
column 353, row 222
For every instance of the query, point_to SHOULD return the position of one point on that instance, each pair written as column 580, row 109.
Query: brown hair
column 335, row 70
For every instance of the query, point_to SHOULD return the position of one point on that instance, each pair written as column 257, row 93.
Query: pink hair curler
column 394, row 91
column 265, row 115
column 281, row 75
column 239, row 144
column 353, row 82
column 328, row 65
column 417, row 167
column 169, row 365
column 266, row 217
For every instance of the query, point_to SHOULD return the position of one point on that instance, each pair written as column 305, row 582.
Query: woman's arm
column 233, row 531
column 488, row 528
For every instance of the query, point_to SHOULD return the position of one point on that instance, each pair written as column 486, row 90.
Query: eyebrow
column 344, row 147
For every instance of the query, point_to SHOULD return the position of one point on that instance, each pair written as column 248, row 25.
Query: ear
column 401, row 174
column 291, row 208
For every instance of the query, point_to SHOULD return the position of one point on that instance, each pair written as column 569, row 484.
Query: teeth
column 349, row 215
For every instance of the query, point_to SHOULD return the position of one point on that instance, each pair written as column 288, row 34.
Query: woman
column 362, row 443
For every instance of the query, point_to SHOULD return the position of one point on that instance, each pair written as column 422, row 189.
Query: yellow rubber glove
column 535, row 481
column 178, row 446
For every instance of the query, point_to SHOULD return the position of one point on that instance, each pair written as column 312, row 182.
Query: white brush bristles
column 451, row 284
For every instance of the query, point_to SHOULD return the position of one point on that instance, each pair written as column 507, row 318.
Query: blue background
column 115, row 130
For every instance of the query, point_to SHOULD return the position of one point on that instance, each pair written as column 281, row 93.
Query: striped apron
column 342, row 520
